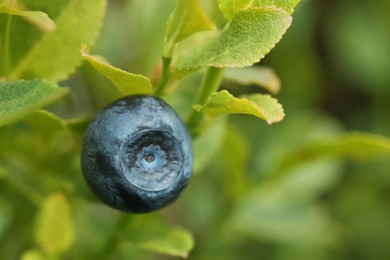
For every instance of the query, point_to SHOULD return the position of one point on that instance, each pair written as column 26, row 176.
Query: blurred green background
column 246, row 199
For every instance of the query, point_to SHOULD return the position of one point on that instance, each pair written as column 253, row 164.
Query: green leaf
column 145, row 22
column 259, row 76
column 230, row 7
column 6, row 213
column 270, row 213
column 3, row 171
column 354, row 145
column 188, row 18
column 127, row 83
column 236, row 152
column 93, row 222
column 318, row 176
column 175, row 242
column 345, row 28
column 56, row 55
column 19, row 98
column 252, row 33
column 54, row 224
column 37, row 18
column 78, row 126
column 261, row 106
column 212, row 138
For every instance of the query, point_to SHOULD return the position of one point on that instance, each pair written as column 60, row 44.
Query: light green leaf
column 261, row 106
column 149, row 232
column 188, row 18
column 175, row 242
column 79, row 22
column 54, row 224
column 230, row 7
column 252, row 33
column 260, row 76
column 37, row 18
column 19, row 98
column 33, row 254
column 127, row 83
column 45, row 124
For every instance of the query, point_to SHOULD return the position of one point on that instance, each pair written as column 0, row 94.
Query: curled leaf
column 127, row 83
column 261, row 106
column 37, row 18
column 259, row 76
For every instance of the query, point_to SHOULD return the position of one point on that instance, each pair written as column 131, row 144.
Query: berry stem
column 210, row 83
column 162, row 83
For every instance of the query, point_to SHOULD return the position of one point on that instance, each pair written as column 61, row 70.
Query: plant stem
column 160, row 87
column 210, row 83
column 113, row 239
column 7, row 35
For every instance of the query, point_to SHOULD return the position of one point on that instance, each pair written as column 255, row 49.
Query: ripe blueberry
column 137, row 154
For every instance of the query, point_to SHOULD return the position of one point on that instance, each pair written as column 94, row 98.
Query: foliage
column 306, row 187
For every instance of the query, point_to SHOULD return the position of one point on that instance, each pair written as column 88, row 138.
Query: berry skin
column 137, row 154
